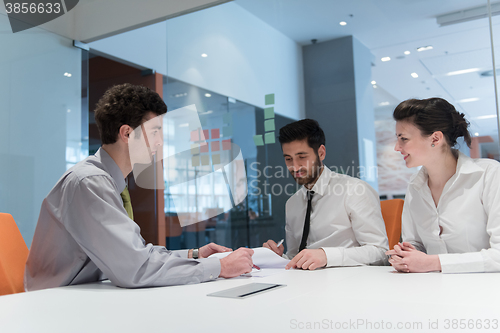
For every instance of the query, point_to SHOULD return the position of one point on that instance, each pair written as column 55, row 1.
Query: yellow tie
column 127, row 203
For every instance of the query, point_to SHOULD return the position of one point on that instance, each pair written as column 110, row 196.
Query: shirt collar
column 321, row 184
column 465, row 165
column 112, row 168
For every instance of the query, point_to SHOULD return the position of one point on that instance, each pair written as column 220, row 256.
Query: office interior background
column 345, row 63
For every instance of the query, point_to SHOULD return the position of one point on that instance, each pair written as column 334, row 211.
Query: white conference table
column 326, row 300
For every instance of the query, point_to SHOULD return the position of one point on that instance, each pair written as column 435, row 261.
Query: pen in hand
column 281, row 242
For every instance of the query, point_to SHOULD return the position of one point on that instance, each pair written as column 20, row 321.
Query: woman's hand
column 406, row 258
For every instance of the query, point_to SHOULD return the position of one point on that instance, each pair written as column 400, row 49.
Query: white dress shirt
column 346, row 221
column 85, row 235
column 468, row 213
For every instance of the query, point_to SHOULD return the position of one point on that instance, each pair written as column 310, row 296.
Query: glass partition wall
column 41, row 114
column 241, row 65
column 450, row 57
column 225, row 122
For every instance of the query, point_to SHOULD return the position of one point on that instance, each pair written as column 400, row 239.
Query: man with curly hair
column 85, row 233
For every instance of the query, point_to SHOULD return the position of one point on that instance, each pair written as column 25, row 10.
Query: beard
column 312, row 174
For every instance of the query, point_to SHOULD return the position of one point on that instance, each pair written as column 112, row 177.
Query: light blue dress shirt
column 85, row 235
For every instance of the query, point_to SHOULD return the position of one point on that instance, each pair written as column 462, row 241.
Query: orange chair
column 391, row 212
column 13, row 256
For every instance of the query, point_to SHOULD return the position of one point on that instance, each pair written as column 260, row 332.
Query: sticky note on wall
column 270, row 138
column 205, row 160
column 195, row 160
column 257, row 139
column 269, row 99
column 269, row 125
column 268, row 113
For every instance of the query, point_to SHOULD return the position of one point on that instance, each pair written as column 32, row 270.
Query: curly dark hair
column 125, row 104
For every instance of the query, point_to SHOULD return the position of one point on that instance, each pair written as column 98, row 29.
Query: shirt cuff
column 211, row 268
column 333, row 256
column 181, row 253
column 461, row 262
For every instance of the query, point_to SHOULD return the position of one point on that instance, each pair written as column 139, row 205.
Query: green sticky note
column 226, row 118
column 195, row 149
column 215, row 159
column 257, row 139
column 195, row 160
column 269, row 125
column 268, row 113
column 269, row 99
column 205, row 160
column 270, row 138
column 227, row 131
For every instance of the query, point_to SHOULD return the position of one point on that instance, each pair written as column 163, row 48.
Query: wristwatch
column 195, row 253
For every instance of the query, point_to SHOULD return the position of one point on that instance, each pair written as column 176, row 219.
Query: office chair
column 391, row 212
column 13, row 256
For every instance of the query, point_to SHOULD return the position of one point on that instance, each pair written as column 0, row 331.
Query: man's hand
column 406, row 258
column 270, row 244
column 212, row 248
column 237, row 263
column 308, row 259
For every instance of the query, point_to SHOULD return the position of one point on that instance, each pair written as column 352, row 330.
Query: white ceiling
column 390, row 27
column 92, row 20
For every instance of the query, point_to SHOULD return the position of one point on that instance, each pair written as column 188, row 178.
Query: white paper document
column 262, row 257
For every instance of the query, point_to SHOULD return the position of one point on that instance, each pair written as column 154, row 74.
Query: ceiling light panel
column 424, row 48
column 463, row 71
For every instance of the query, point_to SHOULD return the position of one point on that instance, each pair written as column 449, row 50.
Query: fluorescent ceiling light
column 467, row 100
column 424, row 48
column 467, row 15
column 476, row 134
column 67, row 74
column 407, row 52
column 204, row 55
column 374, row 86
column 179, row 95
column 384, row 103
column 184, row 125
column 463, row 71
column 386, row 58
column 208, row 95
column 414, row 75
column 486, row 117
column 343, row 23
column 374, row 82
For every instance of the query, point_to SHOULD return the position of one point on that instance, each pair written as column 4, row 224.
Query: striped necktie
column 127, row 203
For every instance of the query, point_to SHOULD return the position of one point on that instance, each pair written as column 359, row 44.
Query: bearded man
column 334, row 219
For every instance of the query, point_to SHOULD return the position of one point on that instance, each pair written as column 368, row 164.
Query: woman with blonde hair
column 451, row 215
